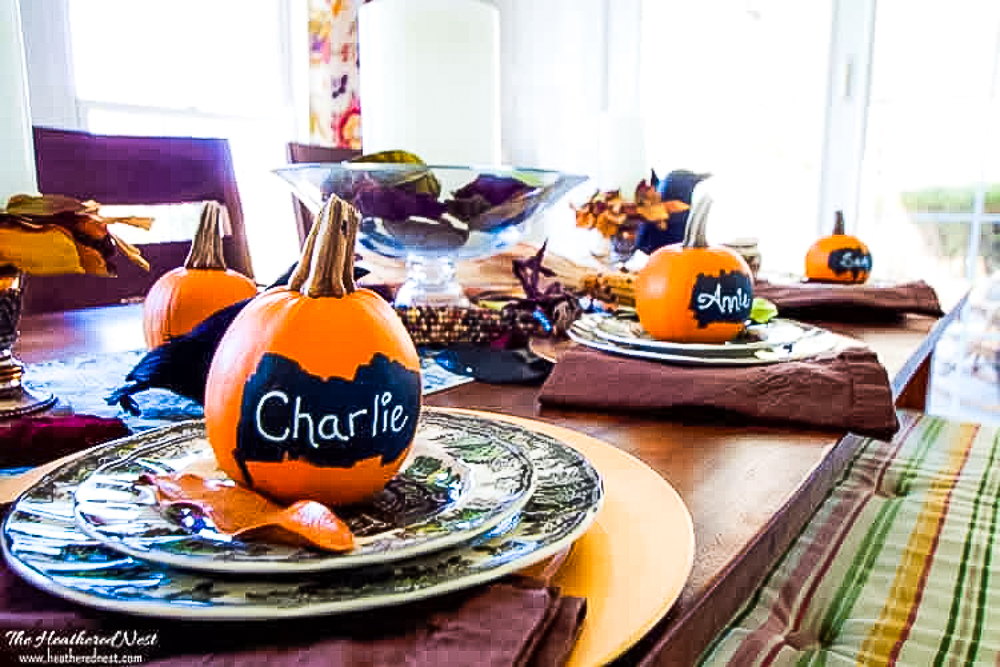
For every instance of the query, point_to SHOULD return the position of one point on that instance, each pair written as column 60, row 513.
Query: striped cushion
column 899, row 565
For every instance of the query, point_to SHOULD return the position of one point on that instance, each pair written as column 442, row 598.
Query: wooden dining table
column 749, row 488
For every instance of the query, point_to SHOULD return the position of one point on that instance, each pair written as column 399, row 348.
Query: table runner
column 898, row 565
column 82, row 384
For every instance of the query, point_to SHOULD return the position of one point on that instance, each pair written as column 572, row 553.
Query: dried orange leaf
column 130, row 252
column 88, row 227
column 242, row 513
column 92, row 261
column 134, row 221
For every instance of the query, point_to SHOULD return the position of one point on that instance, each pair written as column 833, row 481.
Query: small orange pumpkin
column 691, row 292
column 838, row 258
column 314, row 391
column 181, row 298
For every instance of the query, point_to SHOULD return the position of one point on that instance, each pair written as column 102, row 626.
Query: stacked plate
column 476, row 499
column 777, row 341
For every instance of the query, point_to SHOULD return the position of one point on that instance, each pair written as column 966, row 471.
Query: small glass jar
column 747, row 249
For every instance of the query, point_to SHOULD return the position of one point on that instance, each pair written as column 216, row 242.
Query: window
column 930, row 192
column 221, row 68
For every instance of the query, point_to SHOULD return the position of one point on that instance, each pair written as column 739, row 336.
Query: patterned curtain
column 334, row 106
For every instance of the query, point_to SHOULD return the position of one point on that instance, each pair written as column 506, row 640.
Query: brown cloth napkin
column 830, row 302
column 29, row 441
column 518, row 621
column 846, row 389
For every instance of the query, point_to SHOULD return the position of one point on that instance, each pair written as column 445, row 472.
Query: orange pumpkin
column 314, row 391
column 693, row 292
column 180, row 299
column 838, row 258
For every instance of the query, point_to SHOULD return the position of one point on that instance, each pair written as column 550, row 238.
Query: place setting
column 696, row 334
column 468, row 507
column 836, row 285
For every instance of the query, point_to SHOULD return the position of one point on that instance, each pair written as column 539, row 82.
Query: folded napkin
column 845, row 389
column 518, row 621
column 835, row 302
column 29, row 441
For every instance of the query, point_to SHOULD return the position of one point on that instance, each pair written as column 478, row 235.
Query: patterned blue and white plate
column 42, row 543
column 452, row 488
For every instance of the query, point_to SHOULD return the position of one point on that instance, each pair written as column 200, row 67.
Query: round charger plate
column 627, row 330
column 820, row 341
column 632, row 564
column 453, row 486
column 42, row 543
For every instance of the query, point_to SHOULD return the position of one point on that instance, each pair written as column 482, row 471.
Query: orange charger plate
column 633, row 562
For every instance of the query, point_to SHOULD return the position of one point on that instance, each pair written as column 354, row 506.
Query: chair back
column 304, row 153
column 132, row 170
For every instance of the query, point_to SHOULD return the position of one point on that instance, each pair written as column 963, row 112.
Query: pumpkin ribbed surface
column 694, row 293
column 315, row 397
column 838, row 258
column 181, row 298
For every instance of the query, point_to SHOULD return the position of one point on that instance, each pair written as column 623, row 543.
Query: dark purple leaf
column 494, row 189
column 468, row 208
column 396, row 204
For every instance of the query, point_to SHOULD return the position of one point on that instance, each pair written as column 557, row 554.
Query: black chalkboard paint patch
column 856, row 261
column 725, row 297
column 288, row 414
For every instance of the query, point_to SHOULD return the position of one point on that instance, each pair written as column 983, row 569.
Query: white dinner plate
column 450, row 489
column 42, row 543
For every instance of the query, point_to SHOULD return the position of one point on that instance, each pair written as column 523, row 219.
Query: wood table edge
column 912, row 381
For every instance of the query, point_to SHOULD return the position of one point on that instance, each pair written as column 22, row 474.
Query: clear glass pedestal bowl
column 433, row 216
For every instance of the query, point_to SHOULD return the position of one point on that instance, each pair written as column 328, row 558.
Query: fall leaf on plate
column 247, row 515
column 55, row 234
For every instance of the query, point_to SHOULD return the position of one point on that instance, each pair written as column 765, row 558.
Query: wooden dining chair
column 300, row 153
column 133, row 170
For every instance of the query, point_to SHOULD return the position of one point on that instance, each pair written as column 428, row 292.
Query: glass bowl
column 432, row 216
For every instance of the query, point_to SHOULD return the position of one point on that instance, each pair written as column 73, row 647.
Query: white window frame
column 54, row 99
column 848, row 88
column 55, row 102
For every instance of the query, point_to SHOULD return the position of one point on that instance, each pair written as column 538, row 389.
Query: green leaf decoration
column 762, row 311
column 418, row 180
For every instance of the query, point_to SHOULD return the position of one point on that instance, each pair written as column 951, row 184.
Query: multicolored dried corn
column 617, row 287
column 432, row 326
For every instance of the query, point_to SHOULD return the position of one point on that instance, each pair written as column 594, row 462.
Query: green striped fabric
column 899, row 565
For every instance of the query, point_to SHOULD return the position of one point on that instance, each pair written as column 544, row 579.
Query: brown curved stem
column 326, row 268
column 838, row 224
column 206, row 248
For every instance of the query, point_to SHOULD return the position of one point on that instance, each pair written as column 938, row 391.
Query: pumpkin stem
column 206, row 247
column 327, row 265
column 838, row 224
column 694, row 232
column 349, row 242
